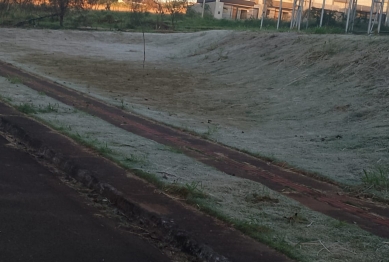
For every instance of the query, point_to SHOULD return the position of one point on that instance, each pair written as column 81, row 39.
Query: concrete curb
column 166, row 227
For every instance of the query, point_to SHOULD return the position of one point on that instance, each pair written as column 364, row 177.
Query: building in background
column 246, row 9
column 230, row 9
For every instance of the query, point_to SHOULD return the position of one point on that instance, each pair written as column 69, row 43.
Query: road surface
column 42, row 219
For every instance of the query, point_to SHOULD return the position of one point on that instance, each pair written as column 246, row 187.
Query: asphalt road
column 42, row 219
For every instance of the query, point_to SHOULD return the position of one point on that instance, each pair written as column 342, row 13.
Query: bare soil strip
column 320, row 196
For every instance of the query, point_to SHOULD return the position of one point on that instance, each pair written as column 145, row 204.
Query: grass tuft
column 260, row 198
column 189, row 191
column 26, row 108
column 14, row 80
column 48, row 108
column 135, row 159
column 377, row 178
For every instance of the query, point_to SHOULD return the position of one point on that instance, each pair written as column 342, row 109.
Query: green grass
column 171, row 149
column 127, row 21
column 135, row 159
column 26, row 109
column 48, row 108
column 6, row 99
column 31, row 109
column 188, row 191
column 122, row 106
column 260, row 233
column 377, row 178
column 104, row 150
column 14, row 80
column 339, row 224
column 211, row 129
column 327, row 30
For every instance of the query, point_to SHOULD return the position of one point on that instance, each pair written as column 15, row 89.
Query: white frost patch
column 237, row 198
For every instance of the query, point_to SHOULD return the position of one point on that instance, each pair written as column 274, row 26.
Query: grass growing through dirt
column 133, row 158
column 377, row 178
column 48, row 108
column 171, row 149
column 26, row 109
column 14, row 80
column 211, row 129
column 30, row 109
column 188, row 191
column 260, row 233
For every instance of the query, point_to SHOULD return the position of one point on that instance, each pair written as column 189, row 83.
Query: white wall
column 218, row 11
column 215, row 9
column 334, row 5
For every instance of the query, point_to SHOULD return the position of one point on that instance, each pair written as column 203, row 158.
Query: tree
column 148, row 4
column 138, row 13
column 91, row 4
column 4, row 6
column 61, row 7
column 175, row 8
column 160, row 11
column 107, row 3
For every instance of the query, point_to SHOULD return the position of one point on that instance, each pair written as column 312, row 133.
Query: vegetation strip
column 166, row 16
column 315, row 194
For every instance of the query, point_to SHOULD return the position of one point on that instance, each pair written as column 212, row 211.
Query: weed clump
column 14, row 80
column 189, row 191
column 31, row 109
column 26, row 109
column 377, row 178
column 257, row 198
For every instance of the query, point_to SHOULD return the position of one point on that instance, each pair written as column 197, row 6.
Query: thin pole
column 354, row 11
column 144, row 47
column 279, row 14
column 309, row 12
column 301, row 5
column 348, row 14
column 293, row 14
column 380, row 18
column 202, row 13
column 322, row 12
column 263, row 13
column 387, row 14
column 371, row 14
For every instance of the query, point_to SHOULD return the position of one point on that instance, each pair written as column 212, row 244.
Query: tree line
column 60, row 8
